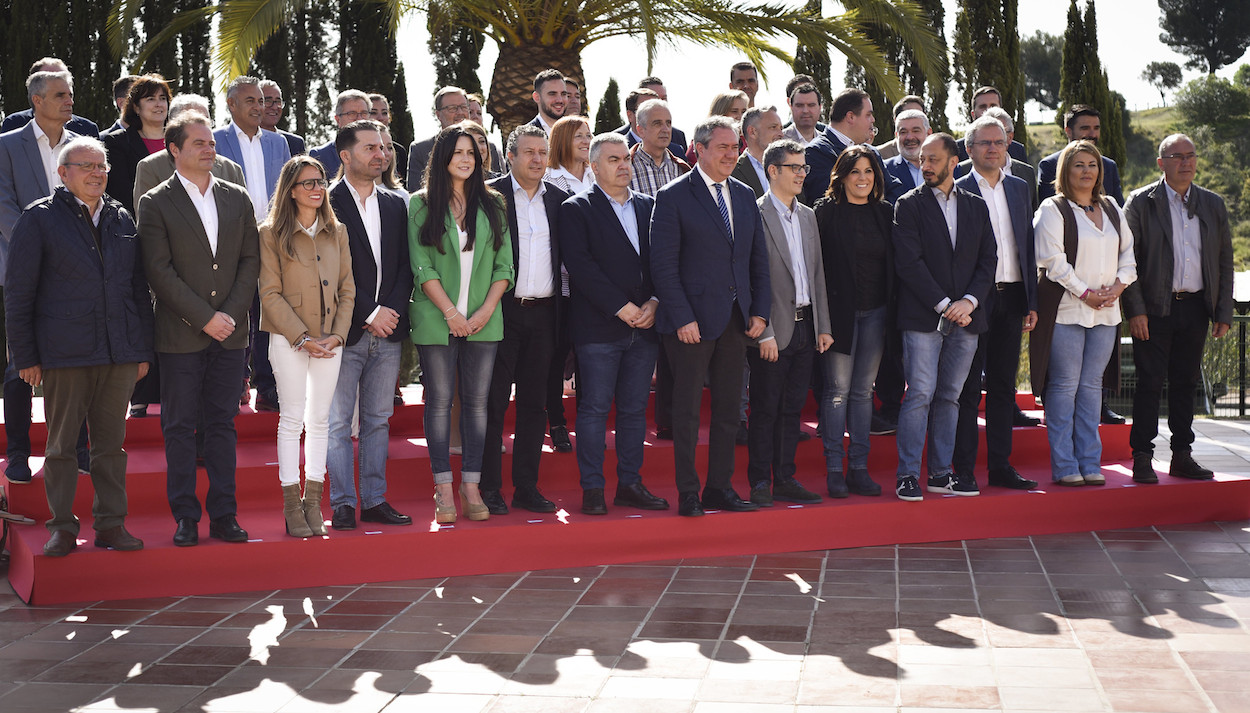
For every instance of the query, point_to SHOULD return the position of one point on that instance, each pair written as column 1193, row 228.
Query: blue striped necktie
column 724, row 210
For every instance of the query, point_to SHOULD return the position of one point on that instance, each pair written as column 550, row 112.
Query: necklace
column 1086, row 208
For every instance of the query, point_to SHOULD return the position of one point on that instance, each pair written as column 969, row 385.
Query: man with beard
column 911, row 128
column 551, row 94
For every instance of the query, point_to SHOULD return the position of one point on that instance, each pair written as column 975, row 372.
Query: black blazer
column 838, row 252
column 397, row 282
column 552, row 199
column 295, row 142
column 929, row 270
column 126, row 149
column 822, row 154
column 605, row 272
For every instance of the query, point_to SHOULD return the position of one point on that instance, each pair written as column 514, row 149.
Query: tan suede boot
column 293, row 511
column 312, row 506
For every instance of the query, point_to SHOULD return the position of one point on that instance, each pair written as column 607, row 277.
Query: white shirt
column 1101, row 257
column 206, row 205
column 99, row 210
column 1008, row 269
column 253, row 156
column 543, row 122
column 371, row 216
column 792, row 132
column 534, row 276
column 49, row 154
column 571, row 184
column 794, row 239
column 950, row 212
column 466, row 272
column 846, row 140
column 711, row 188
column 310, row 231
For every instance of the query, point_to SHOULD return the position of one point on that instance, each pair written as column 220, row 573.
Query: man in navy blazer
column 709, row 262
column 77, row 124
column 1080, row 122
column 377, row 234
column 851, row 121
column 984, row 99
column 911, row 128
column 351, row 105
column 605, row 245
column 648, row 89
column 273, row 114
column 1011, row 308
column 261, row 154
column 531, row 314
column 944, row 255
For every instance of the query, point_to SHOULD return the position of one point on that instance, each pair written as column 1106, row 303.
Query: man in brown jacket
column 201, row 253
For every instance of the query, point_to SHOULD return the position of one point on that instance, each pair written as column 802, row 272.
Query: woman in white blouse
column 569, row 157
column 1087, row 279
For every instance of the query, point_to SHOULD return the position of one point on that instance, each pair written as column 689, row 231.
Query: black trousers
column 998, row 355
column 890, row 383
column 1172, row 354
column 204, row 383
column 778, row 390
column 718, row 362
column 663, row 390
column 559, row 359
column 524, row 359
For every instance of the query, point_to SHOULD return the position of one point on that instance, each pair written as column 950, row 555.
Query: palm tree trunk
column 512, row 83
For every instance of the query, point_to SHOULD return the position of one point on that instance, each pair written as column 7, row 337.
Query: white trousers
column 305, row 390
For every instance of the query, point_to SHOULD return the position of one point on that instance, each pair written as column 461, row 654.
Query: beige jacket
column 313, row 292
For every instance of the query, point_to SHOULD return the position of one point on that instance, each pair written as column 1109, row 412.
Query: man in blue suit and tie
column 911, row 128
column 944, row 254
column 709, row 262
column 262, row 154
column 1011, row 308
column 351, row 105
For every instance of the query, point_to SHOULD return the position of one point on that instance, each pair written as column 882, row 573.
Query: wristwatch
column 300, row 342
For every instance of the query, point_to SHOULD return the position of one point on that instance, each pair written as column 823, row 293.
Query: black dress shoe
column 1144, row 468
column 593, row 503
column 385, row 514
column 187, row 534
column 560, row 439
column 266, row 403
column 762, row 494
column 344, row 518
column 859, row 482
column 1111, row 417
column 61, row 543
column 1020, row 418
column 494, row 502
column 792, row 491
column 663, row 434
column 18, row 471
column 726, row 499
column 1010, row 478
column 741, row 438
column 688, row 505
column 636, row 495
column 836, row 485
column 532, row 500
column 226, row 528
column 804, row 436
column 1184, row 466
column 882, row 426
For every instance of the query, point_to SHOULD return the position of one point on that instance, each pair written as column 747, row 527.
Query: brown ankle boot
column 293, row 511
column 312, row 506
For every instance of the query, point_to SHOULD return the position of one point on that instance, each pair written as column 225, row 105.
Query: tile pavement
column 1150, row 620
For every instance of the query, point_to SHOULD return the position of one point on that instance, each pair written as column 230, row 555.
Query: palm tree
column 534, row 35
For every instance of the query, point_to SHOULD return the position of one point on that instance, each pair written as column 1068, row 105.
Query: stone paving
column 1150, row 620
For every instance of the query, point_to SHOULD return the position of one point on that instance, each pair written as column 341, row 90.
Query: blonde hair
column 281, row 220
column 1066, row 157
column 725, row 100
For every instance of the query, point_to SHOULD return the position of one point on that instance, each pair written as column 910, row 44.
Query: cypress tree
column 403, row 132
column 300, row 58
column 813, row 60
column 1083, row 81
column 987, row 52
column 910, row 74
column 609, row 115
column 194, row 61
column 1011, row 52
column 454, row 51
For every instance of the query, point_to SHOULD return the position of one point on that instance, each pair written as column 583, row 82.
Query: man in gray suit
column 28, row 172
column 451, row 106
column 760, row 127
column 781, row 366
column 157, row 168
column 201, row 253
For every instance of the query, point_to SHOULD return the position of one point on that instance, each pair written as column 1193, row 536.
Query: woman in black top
column 855, row 225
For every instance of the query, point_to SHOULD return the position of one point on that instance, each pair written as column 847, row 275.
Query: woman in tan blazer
column 306, row 298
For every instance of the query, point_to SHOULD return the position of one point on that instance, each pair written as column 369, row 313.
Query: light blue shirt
column 626, row 215
column 760, row 172
column 1186, row 243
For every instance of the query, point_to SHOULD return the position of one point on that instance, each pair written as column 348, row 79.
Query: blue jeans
column 936, row 368
column 846, row 405
column 614, row 371
column 1078, row 357
column 441, row 364
column 368, row 368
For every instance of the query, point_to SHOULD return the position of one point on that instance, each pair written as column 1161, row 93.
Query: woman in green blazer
column 462, row 264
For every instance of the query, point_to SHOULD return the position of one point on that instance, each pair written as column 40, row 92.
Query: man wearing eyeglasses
column 273, row 114
column 1184, row 252
column 351, row 105
column 1010, row 308
column 74, row 280
column 451, row 106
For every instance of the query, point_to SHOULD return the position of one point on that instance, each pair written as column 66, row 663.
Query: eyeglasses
column 798, row 167
column 354, row 114
column 272, row 101
column 455, row 108
column 1181, row 156
column 987, row 144
column 313, row 183
column 91, row 167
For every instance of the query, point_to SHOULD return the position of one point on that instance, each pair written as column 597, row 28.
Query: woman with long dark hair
column 306, row 296
column 461, row 258
column 145, row 113
column 855, row 227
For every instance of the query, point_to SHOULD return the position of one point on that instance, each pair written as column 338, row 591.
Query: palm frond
column 244, row 26
column 119, row 24
column 179, row 24
column 909, row 21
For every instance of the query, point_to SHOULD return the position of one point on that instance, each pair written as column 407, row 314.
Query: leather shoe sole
column 61, row 543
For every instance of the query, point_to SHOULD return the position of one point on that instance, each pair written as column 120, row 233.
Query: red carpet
column 524, row 541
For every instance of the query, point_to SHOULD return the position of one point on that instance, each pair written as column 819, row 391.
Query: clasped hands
column 638, row 317
column 1105, row 296
column 322, row 347
column 461, row 326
